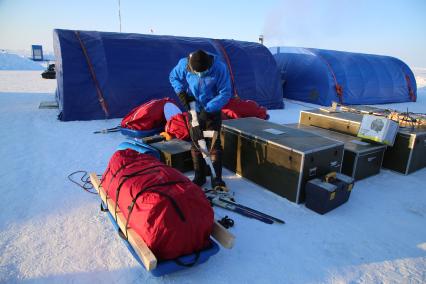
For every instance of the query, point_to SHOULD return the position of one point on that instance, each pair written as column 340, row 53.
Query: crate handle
column 330, row 177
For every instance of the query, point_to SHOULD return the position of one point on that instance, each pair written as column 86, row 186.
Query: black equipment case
column 408, row 154
column 175, row 153
column 324, row 195
column 279, row 158
column 360, row 159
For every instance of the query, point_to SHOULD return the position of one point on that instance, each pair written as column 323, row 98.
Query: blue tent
column 102, row 72
column 322, row 76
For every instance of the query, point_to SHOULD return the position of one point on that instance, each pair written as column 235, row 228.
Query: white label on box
column 274, row 131
column 378, row 129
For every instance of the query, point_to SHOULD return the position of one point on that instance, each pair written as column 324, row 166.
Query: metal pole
column 119, row 13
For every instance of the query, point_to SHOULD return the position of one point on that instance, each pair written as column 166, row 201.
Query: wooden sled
column 148, row 259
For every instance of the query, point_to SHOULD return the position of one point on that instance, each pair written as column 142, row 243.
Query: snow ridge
column 10, row 61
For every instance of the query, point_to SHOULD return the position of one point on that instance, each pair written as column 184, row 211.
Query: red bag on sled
column 147, row 116
column 170, row 213
column 238, row 108
column 177, row 126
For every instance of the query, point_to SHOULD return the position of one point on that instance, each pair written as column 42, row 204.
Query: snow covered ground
column 25, row 82
column 53, row 232
column 11, row 61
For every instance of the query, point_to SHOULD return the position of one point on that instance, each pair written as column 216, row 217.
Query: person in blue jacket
column 202, row 77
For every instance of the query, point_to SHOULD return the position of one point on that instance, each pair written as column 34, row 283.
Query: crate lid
column 352, row 143
column 351, row 117
column 279, row 135
column 173, row 146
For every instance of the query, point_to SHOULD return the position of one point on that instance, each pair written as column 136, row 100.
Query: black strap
column 172, row 200
column 121, row 234
column 126, row 178
column 103, row 208
column 124, row 166
column 149, row 188
column 103, row 177
column 181, row 263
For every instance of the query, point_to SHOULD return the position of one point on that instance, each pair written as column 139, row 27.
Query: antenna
column 119, row 13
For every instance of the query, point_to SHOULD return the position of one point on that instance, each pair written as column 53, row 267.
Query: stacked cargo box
column 361, row 159
column 407, row 155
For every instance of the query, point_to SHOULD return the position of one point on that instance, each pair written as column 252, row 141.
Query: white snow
column 25, row 82
column 10, row 61
column 53, row 232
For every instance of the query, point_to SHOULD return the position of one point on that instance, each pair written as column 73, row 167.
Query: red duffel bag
column 177, row 126
column 238, row 108
column 169, row 212
column 147, row 116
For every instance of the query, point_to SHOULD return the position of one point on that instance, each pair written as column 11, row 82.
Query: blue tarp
column 133, row 68
column 311, row 75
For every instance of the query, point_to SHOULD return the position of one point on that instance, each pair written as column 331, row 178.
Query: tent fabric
column 312, row 75
column 131, row 69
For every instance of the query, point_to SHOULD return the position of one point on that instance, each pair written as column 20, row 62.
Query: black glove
column 211, row 120
column 203, row 115
column 185, row 99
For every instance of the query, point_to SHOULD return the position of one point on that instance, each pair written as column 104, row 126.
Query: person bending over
column 202, row 77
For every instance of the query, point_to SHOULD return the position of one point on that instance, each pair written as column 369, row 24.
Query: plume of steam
column 293, row 22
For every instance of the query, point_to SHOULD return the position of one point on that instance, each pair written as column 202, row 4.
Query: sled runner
column 139, row 133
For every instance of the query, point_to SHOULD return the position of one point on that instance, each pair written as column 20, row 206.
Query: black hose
column 84, row 182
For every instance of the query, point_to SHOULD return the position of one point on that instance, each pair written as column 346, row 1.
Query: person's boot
column 218, row 183
column 199, row 178
column 199, row 168
column 216, row 178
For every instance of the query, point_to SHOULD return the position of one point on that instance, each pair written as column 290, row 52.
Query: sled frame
column 225, row 238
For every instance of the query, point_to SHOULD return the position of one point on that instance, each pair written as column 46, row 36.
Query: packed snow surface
column 51, row 231
column 10, row 61
column 26, row 82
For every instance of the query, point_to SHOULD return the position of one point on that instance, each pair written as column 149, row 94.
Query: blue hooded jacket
column 211, row 91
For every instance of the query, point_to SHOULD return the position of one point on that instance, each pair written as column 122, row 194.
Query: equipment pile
column 166, row 220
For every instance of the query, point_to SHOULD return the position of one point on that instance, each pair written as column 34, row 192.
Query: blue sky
column 393, row 27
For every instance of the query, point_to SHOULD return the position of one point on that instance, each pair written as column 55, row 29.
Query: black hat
column 199, row 61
